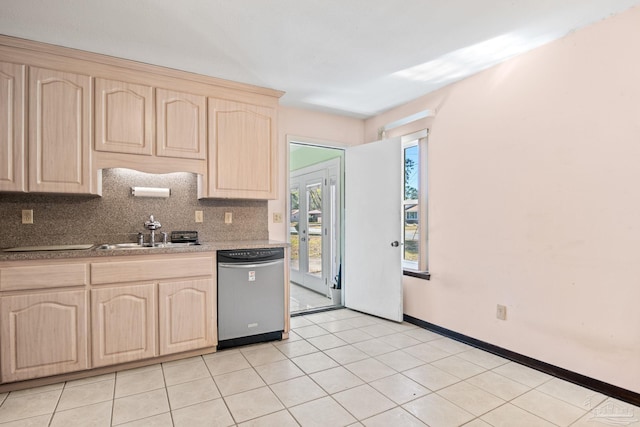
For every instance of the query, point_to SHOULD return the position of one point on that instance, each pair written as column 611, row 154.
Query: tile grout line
column 64, row 385
column 113, row 397
column 166, row 393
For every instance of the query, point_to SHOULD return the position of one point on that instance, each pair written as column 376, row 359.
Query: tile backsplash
column 117, row 216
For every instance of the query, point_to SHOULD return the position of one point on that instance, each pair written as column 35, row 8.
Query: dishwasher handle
column 240, row 265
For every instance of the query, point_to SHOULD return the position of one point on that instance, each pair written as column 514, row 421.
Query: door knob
column 395, row 243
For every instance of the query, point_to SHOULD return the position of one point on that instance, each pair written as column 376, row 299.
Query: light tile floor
column 339, row 368
column 303, row 299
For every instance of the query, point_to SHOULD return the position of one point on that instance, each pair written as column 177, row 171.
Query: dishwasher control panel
column 251, row 255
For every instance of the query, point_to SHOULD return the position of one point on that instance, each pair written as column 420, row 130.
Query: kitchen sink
column 135, row 246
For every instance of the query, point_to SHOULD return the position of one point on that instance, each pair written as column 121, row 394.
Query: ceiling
column 350, row 57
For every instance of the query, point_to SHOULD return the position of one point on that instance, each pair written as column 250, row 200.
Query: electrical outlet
column 277, row 217
column 27, row 216
column 501, row 312
column 199, row 216
column 228, row 217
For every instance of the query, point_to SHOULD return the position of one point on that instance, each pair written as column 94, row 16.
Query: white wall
column 534, row 181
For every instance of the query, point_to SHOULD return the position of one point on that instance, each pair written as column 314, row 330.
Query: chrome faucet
column 152, row 225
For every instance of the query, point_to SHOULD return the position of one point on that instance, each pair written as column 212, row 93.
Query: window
column 414, row 203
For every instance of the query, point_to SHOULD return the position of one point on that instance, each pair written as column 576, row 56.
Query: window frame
column 421, row 267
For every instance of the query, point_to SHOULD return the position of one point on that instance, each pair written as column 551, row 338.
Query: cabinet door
column 187, row 315
column 242, row 150
column 123, row 117
column 43, row 334
column 12, row 122
column 59, row 146
column 123, row 323
column 181, row 125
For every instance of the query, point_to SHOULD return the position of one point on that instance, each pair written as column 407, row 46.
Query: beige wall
column 534, row 181
column 534, row 200
column 322, row 128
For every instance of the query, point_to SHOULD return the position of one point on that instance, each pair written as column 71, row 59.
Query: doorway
column 359, row 240
column 315, row 229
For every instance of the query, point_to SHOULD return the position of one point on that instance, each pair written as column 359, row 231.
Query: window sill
column 419, row 274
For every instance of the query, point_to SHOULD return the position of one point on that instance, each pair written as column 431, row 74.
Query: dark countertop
column 93, row 252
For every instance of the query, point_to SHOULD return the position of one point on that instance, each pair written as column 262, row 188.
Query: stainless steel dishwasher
column 250, row 296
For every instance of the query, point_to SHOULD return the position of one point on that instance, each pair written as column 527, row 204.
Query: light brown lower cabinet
column 123, row 323
column 187, row 315
column 123, row 309
column 43, row 334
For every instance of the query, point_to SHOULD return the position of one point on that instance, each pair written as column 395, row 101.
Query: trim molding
column 579, row 379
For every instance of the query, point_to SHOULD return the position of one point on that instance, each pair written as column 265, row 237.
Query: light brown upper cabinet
column 12, row 122
column 59, row 141
column 181, row 124
column 242, row 150
column 124, row 121
column 65, row 115
column 123, row 117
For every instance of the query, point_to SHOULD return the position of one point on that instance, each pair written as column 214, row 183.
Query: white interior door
column 373, row 229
